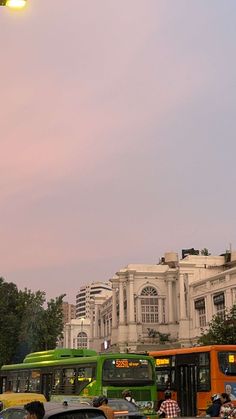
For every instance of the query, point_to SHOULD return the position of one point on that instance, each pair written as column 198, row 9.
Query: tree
column 9, row 320
column 221, row 330
column 52, row 324
column 205, row 252
column 25, row 324
column 41, row 327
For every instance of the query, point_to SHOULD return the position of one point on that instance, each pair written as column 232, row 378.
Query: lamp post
column 81, row 333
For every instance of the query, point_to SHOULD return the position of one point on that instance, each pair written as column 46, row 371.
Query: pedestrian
column 169, row 407
column 127, row 395
column 35, row 410
column 227, row 407
column 214, row 409
column 103, row 405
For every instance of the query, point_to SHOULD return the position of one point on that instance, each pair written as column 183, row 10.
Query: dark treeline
column 27, row 322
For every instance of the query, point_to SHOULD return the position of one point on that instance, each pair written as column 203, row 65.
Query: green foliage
column 163, row 337
column 51, row 324
column 205, row 252
column 9, row 322
column 221, row 330
column 25, row 324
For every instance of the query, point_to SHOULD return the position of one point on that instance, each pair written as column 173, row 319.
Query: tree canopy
column 221, row 330
column 26, row 324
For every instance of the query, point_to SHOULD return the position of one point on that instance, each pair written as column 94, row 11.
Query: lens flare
column 16, row 4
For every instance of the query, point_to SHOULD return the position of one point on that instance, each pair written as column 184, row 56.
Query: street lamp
column 13, row 4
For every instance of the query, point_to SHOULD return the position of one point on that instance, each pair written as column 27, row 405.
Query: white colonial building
column 165, row 304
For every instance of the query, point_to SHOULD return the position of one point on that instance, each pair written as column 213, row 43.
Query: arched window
column 149, row 305
column 82, row 340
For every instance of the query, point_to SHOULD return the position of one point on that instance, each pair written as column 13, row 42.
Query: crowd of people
column 221, row 406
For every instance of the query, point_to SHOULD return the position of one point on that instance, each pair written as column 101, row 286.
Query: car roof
column 53, row 408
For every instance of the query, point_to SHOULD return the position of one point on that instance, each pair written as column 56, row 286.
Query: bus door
column 186, row 383
column 46, row 385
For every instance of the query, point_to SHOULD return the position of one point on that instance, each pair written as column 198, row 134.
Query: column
column 209, row 307
column 160, row 310
column 130, row 299
column 114, row 307
column 121, row 303
column 132, row 327
column 138, row 310
column 170, row 300
column 228, row 293
column 96, row 321
column 182, row 304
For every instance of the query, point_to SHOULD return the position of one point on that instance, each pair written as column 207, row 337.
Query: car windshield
column 131, row 370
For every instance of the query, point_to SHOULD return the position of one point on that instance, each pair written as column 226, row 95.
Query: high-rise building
column 69, row 312
column 86, row 293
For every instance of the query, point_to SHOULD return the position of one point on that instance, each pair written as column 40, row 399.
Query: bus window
column 34, row 382
column 57, row 381
column 69, row 375
column 203, row 379
column 23, row 381
column 203, row 383
column 162, row 379
column 227, row 362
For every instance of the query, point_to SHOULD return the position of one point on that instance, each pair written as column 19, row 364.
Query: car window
column 77, row 415
column 13, row 414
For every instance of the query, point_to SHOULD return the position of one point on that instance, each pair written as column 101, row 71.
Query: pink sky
column 117, row 136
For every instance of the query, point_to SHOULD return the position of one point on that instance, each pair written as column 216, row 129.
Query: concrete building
column 88, row 292
column 159, row 304
column 69, row 312
column 163, row 305
column 77, row 334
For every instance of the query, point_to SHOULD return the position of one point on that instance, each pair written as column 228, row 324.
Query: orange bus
column 195, row 374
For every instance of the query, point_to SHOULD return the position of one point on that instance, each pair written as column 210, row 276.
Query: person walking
column 169, row 407
column 103, row 405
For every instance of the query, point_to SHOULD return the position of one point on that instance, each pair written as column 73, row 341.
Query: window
column 69, row 375
column 219, row 303
column 204, row 371
column 201, row 311
column 149, row 305
column 34, row 381
column 202, row 317
column 82, row 340
column 131, row 370
column 227, row 363
column 23, row 381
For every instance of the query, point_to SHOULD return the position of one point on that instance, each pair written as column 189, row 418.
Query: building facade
column 163, row 305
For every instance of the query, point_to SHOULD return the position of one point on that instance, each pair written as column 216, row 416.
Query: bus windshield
column 227, row 362
column 133, row 371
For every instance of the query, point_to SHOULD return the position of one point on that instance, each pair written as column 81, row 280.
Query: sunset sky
column 117, row 136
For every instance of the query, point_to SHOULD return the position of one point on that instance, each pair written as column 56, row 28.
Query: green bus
column 66, row 374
